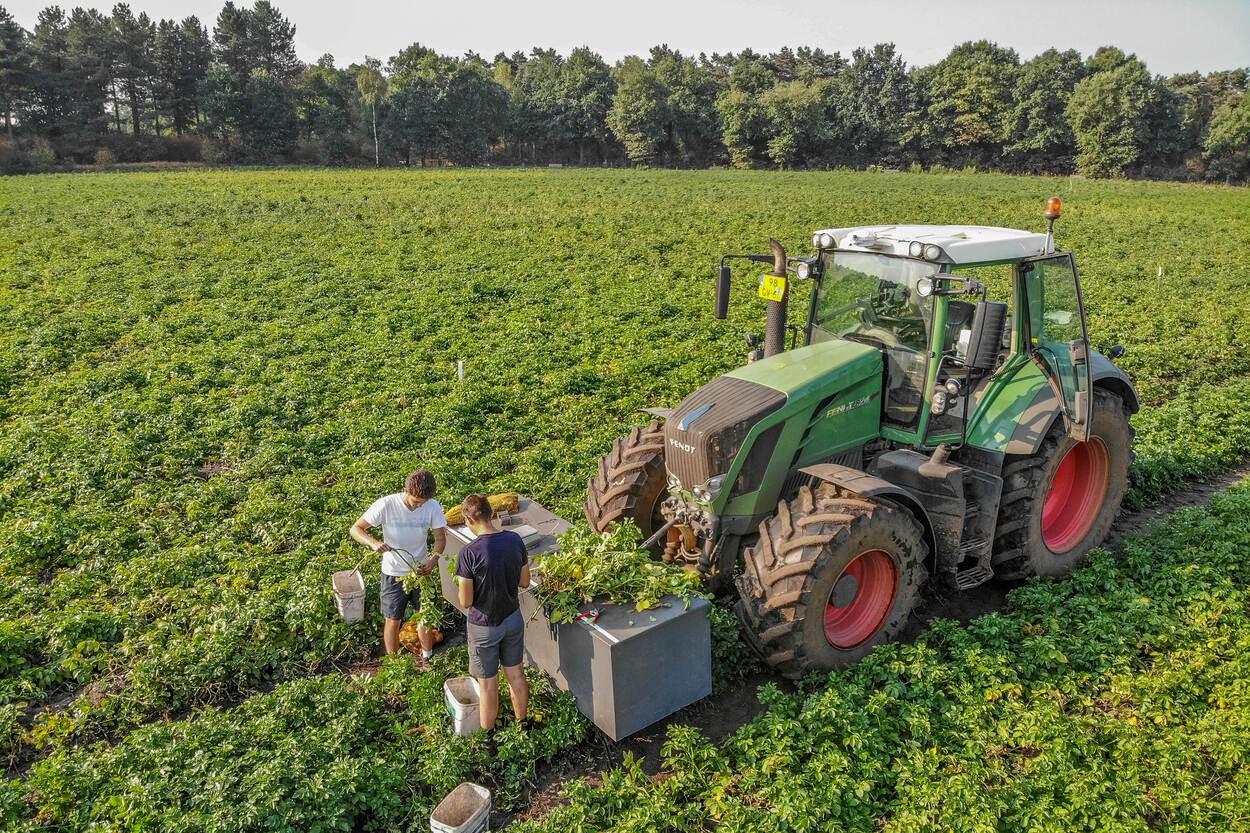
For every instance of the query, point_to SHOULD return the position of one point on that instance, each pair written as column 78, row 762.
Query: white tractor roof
column 959, row 244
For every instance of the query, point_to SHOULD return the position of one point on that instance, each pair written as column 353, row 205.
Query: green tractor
column 924, row 428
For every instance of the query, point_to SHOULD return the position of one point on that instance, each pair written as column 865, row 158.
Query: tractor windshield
column 872, row 298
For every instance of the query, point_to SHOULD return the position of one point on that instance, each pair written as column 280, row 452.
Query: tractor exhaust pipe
column 775, row 328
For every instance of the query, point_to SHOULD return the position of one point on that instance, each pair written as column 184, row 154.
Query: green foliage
column 589, row 566
column 1108, row 112
column 325, row 753
column 206, row 376
column 1228, row 144
column 1113, row 700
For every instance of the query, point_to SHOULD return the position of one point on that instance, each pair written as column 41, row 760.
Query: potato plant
column 589, row 566
column 1115, row 700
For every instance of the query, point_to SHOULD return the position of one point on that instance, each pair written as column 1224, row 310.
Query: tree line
column 85, row 86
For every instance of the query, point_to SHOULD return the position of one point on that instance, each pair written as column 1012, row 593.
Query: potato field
column 206, row 376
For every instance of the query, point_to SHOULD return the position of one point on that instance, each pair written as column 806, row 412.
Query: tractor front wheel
column 833, row 576
column 1059, row 503
column 631, row 482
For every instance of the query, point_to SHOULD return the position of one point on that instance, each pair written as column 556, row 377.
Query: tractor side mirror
column 722, row 292
column 985, row 338
column 1116, row 351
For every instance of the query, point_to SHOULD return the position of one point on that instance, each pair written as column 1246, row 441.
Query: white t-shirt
column 405, row 529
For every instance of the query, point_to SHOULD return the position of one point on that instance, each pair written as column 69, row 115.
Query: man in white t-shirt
column 406, row 519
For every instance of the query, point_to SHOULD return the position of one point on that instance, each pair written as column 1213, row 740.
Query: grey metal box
column 628, row 669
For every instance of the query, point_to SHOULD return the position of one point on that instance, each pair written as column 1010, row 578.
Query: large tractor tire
column 833, row 576
column 1060, row 502
column 631, row 482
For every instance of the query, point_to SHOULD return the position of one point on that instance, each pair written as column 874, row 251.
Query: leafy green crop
column 589, row 566
column 325, row 753
column 206, row 376
column 1114, row 700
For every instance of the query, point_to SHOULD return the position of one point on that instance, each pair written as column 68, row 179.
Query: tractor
column 944, row 418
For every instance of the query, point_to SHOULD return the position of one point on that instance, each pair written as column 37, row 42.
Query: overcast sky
column 1170, row 36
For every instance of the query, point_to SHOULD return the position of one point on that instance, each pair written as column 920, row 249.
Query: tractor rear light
column 932, row 252
column 916, row 249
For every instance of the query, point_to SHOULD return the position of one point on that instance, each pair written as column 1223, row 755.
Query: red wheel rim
column 1076, row 495
column 861, row 599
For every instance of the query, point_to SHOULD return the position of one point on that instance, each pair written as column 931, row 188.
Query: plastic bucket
column 466, row 809
column 464, row 702
column 349, row 595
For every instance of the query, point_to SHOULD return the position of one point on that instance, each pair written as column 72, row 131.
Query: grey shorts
column 490, row 647
column 395, row 600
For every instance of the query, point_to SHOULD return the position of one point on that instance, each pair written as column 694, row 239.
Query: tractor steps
column 972, row 577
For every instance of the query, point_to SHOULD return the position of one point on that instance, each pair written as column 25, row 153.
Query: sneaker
column 427, row 654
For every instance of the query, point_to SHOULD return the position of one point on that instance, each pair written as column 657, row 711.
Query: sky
column 1170, row 36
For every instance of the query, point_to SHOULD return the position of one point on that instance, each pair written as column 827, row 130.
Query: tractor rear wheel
column 631, row 482
column 1059, row 503
column 833, row 576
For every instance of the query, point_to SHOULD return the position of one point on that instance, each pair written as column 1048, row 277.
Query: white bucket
column 464, row 702
column 349, row 595
column 466, row 809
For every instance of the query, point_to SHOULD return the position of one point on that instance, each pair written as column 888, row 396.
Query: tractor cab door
column 1057, row 340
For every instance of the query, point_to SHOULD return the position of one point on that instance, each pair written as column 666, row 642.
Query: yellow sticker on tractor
column 772, row 287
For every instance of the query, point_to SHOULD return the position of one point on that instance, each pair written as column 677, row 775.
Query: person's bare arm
column 440, row 546
column 360, row 532
column 466, row 591
column 525, row 576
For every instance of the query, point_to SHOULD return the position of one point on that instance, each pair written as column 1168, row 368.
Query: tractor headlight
column 802, row 271
column 940, row 402
column 673, row 482
column 916, row 249
column 924, row 287
column 823, row 240
column 709, row 490
column 932, row 252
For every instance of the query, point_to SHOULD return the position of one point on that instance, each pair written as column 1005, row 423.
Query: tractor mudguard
column 1107, row 375
column 866, row 485
column 1018, row 428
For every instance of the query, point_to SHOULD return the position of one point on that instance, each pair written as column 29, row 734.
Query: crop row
column 206, row 376
column 1115, row 700
column 319, row 754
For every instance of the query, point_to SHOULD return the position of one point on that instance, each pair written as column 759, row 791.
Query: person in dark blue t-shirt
column 490, row 570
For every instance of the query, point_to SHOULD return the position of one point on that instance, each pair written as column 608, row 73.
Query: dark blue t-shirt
column 493, row 562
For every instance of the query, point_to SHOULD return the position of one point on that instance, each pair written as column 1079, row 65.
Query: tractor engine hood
column 704, row 433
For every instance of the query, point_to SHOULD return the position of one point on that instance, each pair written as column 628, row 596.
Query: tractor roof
column 959, row 244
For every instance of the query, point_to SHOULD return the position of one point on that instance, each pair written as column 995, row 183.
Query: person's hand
column 382, row 547
column 427, row 568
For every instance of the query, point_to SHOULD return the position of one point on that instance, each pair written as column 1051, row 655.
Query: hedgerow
column 1115, row 700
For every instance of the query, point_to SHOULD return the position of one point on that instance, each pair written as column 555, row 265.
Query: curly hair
column 420, row 484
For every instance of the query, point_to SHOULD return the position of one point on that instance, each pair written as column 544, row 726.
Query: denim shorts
column 395, row 599
column 490, row 647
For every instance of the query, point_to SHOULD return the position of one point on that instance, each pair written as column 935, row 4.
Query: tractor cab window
column 872, row 298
